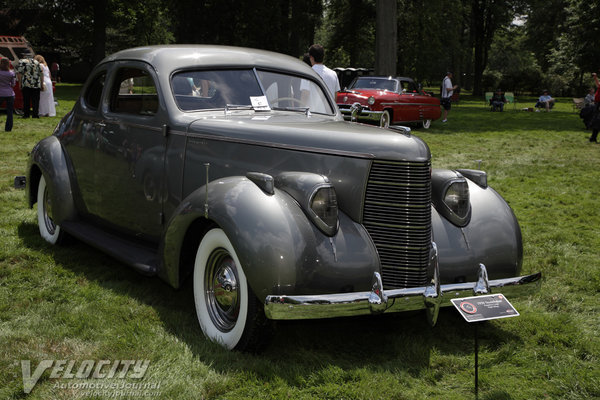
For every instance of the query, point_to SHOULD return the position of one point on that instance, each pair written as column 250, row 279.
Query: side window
column 5, row 52
column 133, row 92
column 94, row 91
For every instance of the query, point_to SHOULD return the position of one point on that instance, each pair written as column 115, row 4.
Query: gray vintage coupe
column 235, row 168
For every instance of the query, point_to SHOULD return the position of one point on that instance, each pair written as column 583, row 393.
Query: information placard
column 483, row 308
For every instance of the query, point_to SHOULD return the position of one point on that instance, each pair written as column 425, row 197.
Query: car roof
column 174, row 57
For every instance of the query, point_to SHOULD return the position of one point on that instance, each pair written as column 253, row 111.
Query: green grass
column 75, row 303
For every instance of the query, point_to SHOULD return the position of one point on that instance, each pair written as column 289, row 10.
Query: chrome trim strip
column 409, row 104
column 418, row 298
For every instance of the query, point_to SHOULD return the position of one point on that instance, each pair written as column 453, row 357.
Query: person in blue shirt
column 545, row 101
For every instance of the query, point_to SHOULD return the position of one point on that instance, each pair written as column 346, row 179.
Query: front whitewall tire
column 228, row 336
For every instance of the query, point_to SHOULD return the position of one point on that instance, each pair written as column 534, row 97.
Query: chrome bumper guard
column 377, row 301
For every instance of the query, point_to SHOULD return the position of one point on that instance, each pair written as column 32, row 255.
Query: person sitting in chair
column 497, row 101
column 545, row 101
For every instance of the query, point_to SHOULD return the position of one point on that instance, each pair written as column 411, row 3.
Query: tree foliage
column 556, row 46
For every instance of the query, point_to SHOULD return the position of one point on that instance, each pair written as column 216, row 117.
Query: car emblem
column 345, row 99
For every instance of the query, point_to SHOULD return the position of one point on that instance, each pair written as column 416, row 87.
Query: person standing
column 55, row 70
column 7, row 94
column 47, row 108
column 316, row 53
column 31, row 80
column 447, row 90
column 595, row 123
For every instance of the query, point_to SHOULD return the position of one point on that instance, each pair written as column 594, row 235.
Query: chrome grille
column 397, row 215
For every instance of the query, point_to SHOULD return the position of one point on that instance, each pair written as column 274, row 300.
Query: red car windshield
column 375, row 83
column 389, row 84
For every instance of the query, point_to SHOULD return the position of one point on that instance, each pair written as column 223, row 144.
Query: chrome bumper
column 377, row 301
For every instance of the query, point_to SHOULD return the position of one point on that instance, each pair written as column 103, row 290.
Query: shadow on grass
column 391, row 342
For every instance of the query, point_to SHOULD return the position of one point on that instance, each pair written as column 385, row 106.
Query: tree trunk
column 386, row 33
column 99, row 34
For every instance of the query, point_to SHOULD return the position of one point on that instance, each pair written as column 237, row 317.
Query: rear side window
column 93, row 93
column 133, row 92
column 5, row 52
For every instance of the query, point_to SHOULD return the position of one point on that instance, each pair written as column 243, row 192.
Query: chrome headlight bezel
column 316, row 196
column 457, row 201
column 371, row 100
column 323, row 209
column 451, row 196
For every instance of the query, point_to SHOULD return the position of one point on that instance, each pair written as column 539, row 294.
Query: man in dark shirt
column 31, row 80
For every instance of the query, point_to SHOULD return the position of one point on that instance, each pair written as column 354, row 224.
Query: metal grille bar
column 397, row 215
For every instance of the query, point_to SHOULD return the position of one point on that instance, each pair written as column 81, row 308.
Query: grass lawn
column 74, row 303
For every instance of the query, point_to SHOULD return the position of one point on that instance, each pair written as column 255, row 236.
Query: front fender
column 492, row 237
column 281, row 251
column 48, row 159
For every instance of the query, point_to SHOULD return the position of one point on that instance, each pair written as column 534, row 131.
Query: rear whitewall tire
column 49, row 231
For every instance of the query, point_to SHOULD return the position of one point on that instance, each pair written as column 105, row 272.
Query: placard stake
column 476, row 361
column 483, row 308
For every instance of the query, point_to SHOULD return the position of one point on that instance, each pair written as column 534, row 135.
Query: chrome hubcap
column 385, row 121
column 50, row 225
column 222, row 290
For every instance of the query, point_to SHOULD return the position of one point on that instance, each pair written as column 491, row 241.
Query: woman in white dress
column 47, row 108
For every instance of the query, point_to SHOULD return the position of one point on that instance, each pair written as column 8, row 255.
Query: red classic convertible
column 388, row 101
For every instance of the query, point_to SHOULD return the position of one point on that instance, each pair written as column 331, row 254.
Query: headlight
column 323, row 204
column 450, row 196
column 316, row 195
column 371, row 100
column 456, row 199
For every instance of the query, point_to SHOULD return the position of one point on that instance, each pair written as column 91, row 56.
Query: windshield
column 375, row 83
column 261, row 91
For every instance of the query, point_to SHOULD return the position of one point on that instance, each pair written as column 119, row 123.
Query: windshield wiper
column 229, row 107
column 305, row 110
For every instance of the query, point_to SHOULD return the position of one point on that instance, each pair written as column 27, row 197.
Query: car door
column 408, row 100
column 81, row 140
column 131, row 152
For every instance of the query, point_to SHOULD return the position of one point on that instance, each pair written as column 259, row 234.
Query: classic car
column 388, row 101
column 234, row 168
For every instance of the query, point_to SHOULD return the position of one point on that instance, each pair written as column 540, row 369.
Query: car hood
column 323, row 134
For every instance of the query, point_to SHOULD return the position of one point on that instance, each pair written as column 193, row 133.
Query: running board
column 141, row 258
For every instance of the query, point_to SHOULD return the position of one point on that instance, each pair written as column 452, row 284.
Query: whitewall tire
column 228, row 312
column 49, row 231
column 384, row 122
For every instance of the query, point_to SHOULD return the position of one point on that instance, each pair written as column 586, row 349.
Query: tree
column 286, row 26
column 82, row 32
column 385, row 37
column 348, row 33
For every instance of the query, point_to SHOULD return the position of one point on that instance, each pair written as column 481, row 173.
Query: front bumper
column 377, row 301
column 358, row 112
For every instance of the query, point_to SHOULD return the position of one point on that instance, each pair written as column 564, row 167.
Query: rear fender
column 48, row 159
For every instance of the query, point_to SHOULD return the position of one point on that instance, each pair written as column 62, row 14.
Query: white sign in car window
column 260, row 103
